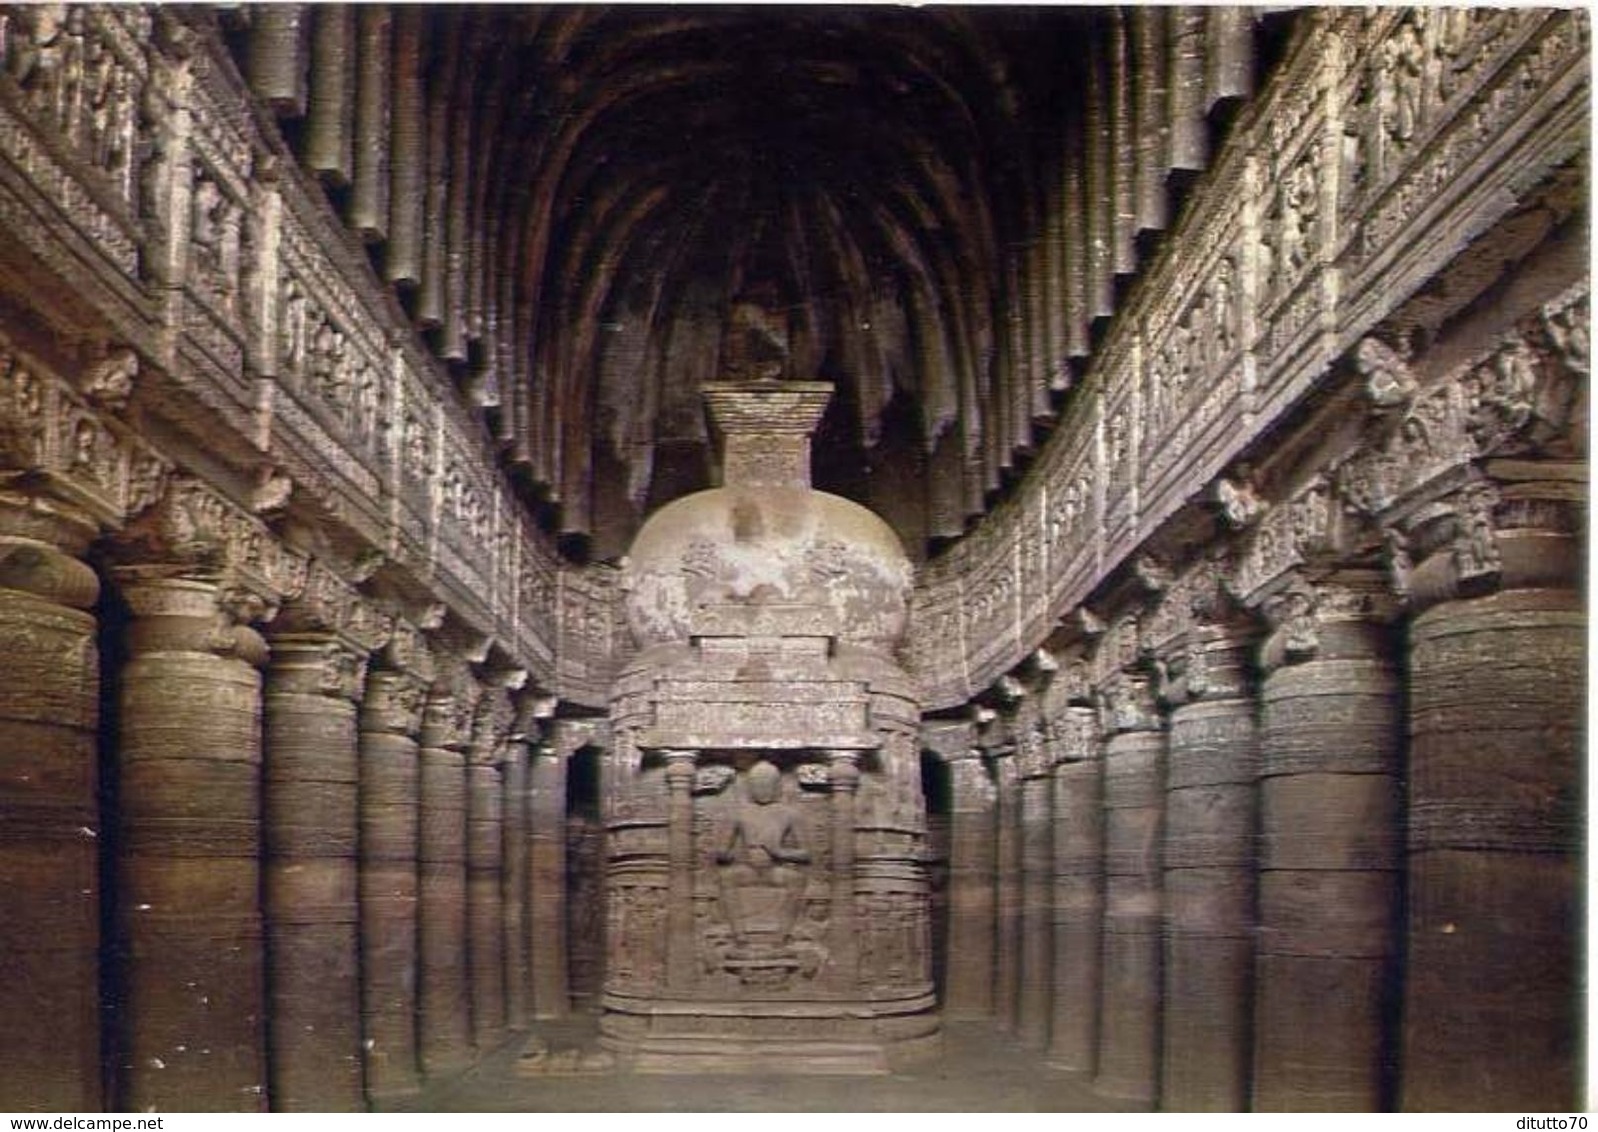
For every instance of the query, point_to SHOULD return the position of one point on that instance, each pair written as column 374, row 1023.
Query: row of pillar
column 1328, row 861
column 286, row 873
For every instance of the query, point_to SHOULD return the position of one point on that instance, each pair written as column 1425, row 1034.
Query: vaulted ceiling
column 588, row 211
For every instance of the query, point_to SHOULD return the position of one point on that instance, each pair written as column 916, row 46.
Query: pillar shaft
column 969, row 992
column 193, row 1010
column 485, row 907
column 444, row 1036
column 1037, row 919
column 1007, row 895
column 1491, row 1016
column 1328, row 878
column 844, row 774
column 518, row 986
column 389, row 765
column 1212, row 766
column 1078, row 818
column 49, row 710
column 312, row 911
column 1129, row 1010
column 680, row 855
column 546, row 907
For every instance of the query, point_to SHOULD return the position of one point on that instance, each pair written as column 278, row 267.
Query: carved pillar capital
column 393, row 703
column 190, row 615
column 320, row 664
column 1311, row 618
column 449, row 709
column 843, row 770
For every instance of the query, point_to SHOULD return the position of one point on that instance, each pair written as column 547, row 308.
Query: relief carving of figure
column 763, row 866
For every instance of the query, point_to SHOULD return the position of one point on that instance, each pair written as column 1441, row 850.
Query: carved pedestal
column 193, row 1012
column 971, row 905
column 1078, row 893
column 391, row 717
column 49, row 706
column 1129, row 1011
column 313, row 1033
column 1328, row 879
column 1495, row 827
column 1209, row 847
column 443, row 1024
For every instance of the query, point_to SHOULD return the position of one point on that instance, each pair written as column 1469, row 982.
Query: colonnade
column 1310, row 837
column 278, row 847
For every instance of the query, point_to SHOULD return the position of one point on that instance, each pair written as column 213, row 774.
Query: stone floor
column 981, row 1070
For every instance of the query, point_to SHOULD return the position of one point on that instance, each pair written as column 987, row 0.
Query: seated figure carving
column 762, row 878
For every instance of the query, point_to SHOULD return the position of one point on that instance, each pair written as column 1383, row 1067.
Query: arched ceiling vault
column 590, row 210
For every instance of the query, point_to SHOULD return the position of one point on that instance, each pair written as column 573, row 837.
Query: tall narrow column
column 969, row 985
column 484, row 872
column 1492, row 1011
column 313, row 685
column 1129, row 1012
column 193, row 1012
column 1007, row 888
column 546, row 909
column 1037, row 883
column 391, row 718
column 680, row 861
column 1078, row 891
column 1211, row 773
column 49, row 709
column 1329, row 844
column 444, row 1036
column 843, row 773
column 518, row 985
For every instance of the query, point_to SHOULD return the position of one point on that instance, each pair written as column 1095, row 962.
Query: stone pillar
column 444, row 1037
column 1329, row 844
column 1491, row 1005
column 518, row 984
column 189, row 885
column 1007, row 888
column 1129, row 1003
column 485, row 871
column 969, row 986
column 546, row 869
column 1037, row 884
column 843, row 772
column 313, row 685
column 49, row 711
column 680, row 948
column 1078, row 817
column 391, row 718
column 1210, row 821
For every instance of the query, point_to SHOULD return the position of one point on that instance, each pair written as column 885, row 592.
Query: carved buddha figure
column 763, row 867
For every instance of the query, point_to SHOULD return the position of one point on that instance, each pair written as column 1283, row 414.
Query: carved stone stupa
column 767, row 908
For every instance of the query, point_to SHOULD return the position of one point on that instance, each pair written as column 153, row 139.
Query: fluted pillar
column 485, row 871
column 444, row 1036
column 1037, row 883
column 1491, row 1012
column 391, row 719
column 546, row 869
column 1329, row 845
column 1078, row 817
column 680, row 864
column 313, row 685
column 1129, row 1005
column 49, row 710
column 189, row 877
column 969, row 982
column 1208, row 879
column 1007, row 887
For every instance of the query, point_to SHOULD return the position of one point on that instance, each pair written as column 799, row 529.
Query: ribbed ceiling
column 590, row 211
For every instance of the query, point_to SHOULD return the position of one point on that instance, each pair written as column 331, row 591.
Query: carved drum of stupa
column 767, row 907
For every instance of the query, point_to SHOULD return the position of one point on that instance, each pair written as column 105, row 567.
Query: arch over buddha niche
column 767, row 906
